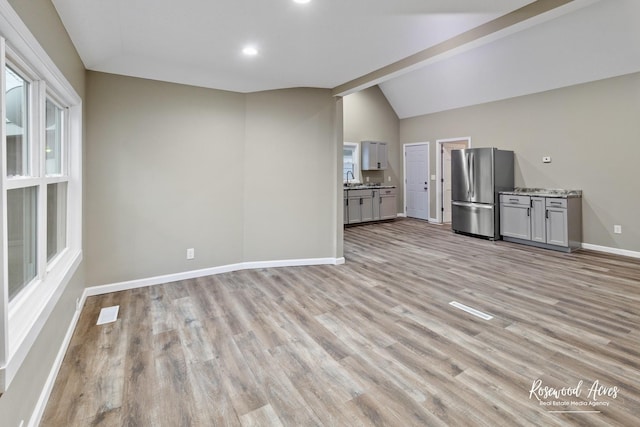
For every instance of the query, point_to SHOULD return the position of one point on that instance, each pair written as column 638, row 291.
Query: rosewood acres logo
column 583, row 397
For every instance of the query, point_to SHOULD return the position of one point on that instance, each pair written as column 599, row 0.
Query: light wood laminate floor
column 373, row 342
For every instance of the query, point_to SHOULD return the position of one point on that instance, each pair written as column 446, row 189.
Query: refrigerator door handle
column 472, row 175
column 473, row 205
column 468, row 173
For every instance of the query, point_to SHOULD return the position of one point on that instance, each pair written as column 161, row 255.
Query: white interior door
column 417, row 180
column 446, row 177
column 446, row 184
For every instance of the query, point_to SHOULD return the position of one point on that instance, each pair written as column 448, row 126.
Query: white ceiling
column 329, row 42
column 590, row 43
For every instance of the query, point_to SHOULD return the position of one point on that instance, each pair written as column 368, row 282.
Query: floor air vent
column 108, row 315
column 471, row 310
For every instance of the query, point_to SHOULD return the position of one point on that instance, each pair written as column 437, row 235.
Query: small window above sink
column 351, row 163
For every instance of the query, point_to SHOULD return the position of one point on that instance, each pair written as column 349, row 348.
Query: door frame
column 439, row 183
column 404, row 177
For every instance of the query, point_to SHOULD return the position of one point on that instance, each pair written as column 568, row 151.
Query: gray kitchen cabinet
column 557, row 222
column 354, row 214
column 366, row 206
column 345, row 210
column 515, row 219
column 387, row 203
column 538, row 220
column 376, row 204
column 548, row 222
column 369, row 204
column 374, row 155
column 383, row 155
column 360, row 206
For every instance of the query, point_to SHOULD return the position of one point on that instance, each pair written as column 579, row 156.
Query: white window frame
column 26, row 73
column 356, row 161
column 62, row 177
column 64, row 170
column 22, row 319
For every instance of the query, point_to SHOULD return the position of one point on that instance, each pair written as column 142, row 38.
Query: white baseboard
column 610, row 250
column 41, row 404
column 429, row 220
column 167, row 278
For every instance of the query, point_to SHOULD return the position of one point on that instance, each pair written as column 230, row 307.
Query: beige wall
column 368, row 116
column 237, row 177
column 20, row 399
column 589, row 130
column 290, row 175
column 164, row 173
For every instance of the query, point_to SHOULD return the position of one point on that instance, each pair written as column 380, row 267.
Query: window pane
column 16, row 124
column 54, row 139
column 56, row 219
column 21, row 231
column 348, row 163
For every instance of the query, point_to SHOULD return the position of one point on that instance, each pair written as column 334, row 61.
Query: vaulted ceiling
column 427, row 56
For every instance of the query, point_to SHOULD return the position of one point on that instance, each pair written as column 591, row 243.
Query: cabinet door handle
column 361, row 200
column 531, row 203
column 546, row 214
column 528, row 213
column 347, row 202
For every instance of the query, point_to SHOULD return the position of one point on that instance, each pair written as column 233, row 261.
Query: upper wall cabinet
column 374, row 155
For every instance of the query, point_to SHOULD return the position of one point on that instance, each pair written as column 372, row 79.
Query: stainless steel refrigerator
column 477, row 175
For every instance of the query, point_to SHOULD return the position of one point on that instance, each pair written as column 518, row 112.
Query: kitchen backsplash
column 374, row 177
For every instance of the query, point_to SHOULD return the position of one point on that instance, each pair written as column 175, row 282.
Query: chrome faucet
column 352, row 176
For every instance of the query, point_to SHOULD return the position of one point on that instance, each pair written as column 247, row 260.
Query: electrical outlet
column 546, row 159
column 389, row 179
column 191, row 253
column 77, row 304
column 367, row 179
column 617, row 229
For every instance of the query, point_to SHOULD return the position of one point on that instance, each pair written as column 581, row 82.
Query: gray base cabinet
column 557, row 222
column 371, row 204
column 538, row 220
column 515, row 217
column 366, row 207
column 345, row 207
column 359, row 206
column 548, row 222
column 387, row 203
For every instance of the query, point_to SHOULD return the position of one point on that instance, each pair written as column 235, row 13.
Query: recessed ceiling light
column 250, row 51
column 301, row 1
